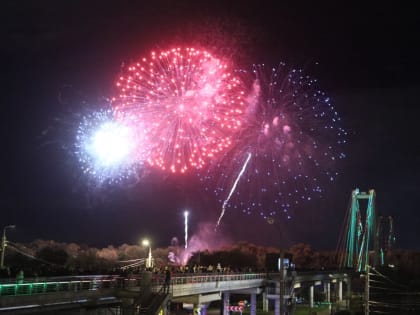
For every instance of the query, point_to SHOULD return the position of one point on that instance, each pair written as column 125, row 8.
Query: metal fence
column 81, row 283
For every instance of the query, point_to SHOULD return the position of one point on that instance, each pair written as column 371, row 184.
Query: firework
column 107, row 148
column 286, row 150
column 226, row 201
column 186, row 228
column 189, row 102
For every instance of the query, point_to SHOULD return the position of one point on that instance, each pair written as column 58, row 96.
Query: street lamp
column 4, row 244
column 146, row 242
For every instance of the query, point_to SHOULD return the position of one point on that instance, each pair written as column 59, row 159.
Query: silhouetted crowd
column 197, row 269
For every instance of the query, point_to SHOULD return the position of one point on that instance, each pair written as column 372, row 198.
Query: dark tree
column 54, row 256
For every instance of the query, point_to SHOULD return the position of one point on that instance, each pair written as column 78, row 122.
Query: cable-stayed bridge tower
column 360, row 236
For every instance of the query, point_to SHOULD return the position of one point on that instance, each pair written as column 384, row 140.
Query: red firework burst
column 189, row 102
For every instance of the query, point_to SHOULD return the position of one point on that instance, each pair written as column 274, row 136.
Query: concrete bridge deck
column 109, row 290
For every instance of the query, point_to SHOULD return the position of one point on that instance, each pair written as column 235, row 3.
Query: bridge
column 143, row 294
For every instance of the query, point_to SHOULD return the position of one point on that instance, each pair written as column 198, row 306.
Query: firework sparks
column 110, row 144
column 190, row 104
column 293, row 134
column 107, row 148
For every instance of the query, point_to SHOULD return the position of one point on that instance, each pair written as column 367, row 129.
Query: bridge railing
column 75, row 284
column 213, row 277
column 97, row 282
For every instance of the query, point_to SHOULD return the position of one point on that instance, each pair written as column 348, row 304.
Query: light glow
column 111, row 144
column 109, row 149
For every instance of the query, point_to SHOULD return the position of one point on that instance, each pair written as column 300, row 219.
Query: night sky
column 59, row 57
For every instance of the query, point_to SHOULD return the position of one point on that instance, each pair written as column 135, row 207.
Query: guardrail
column 193, row 278
column 30, row 288
column 80, row 283
column 97, row 282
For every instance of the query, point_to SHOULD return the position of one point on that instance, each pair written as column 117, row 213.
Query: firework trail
column 233, row 189
column 189, row 102
column 186, row 228
column 293, row 134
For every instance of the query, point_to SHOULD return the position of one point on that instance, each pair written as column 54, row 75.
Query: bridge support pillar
column 265, row 302
column 197, row 310
column 311, row 296
column 277, row 306
column 327, row 291
column 348, row 295
column 226, row 296
column 253, row 304
column 203, row 310
column 340, row 290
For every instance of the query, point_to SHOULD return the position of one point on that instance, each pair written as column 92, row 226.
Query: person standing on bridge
column 20, row 277
column 167, row 282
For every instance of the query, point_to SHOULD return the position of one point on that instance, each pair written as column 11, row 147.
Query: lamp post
column 4, row 244
column 146, row 242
